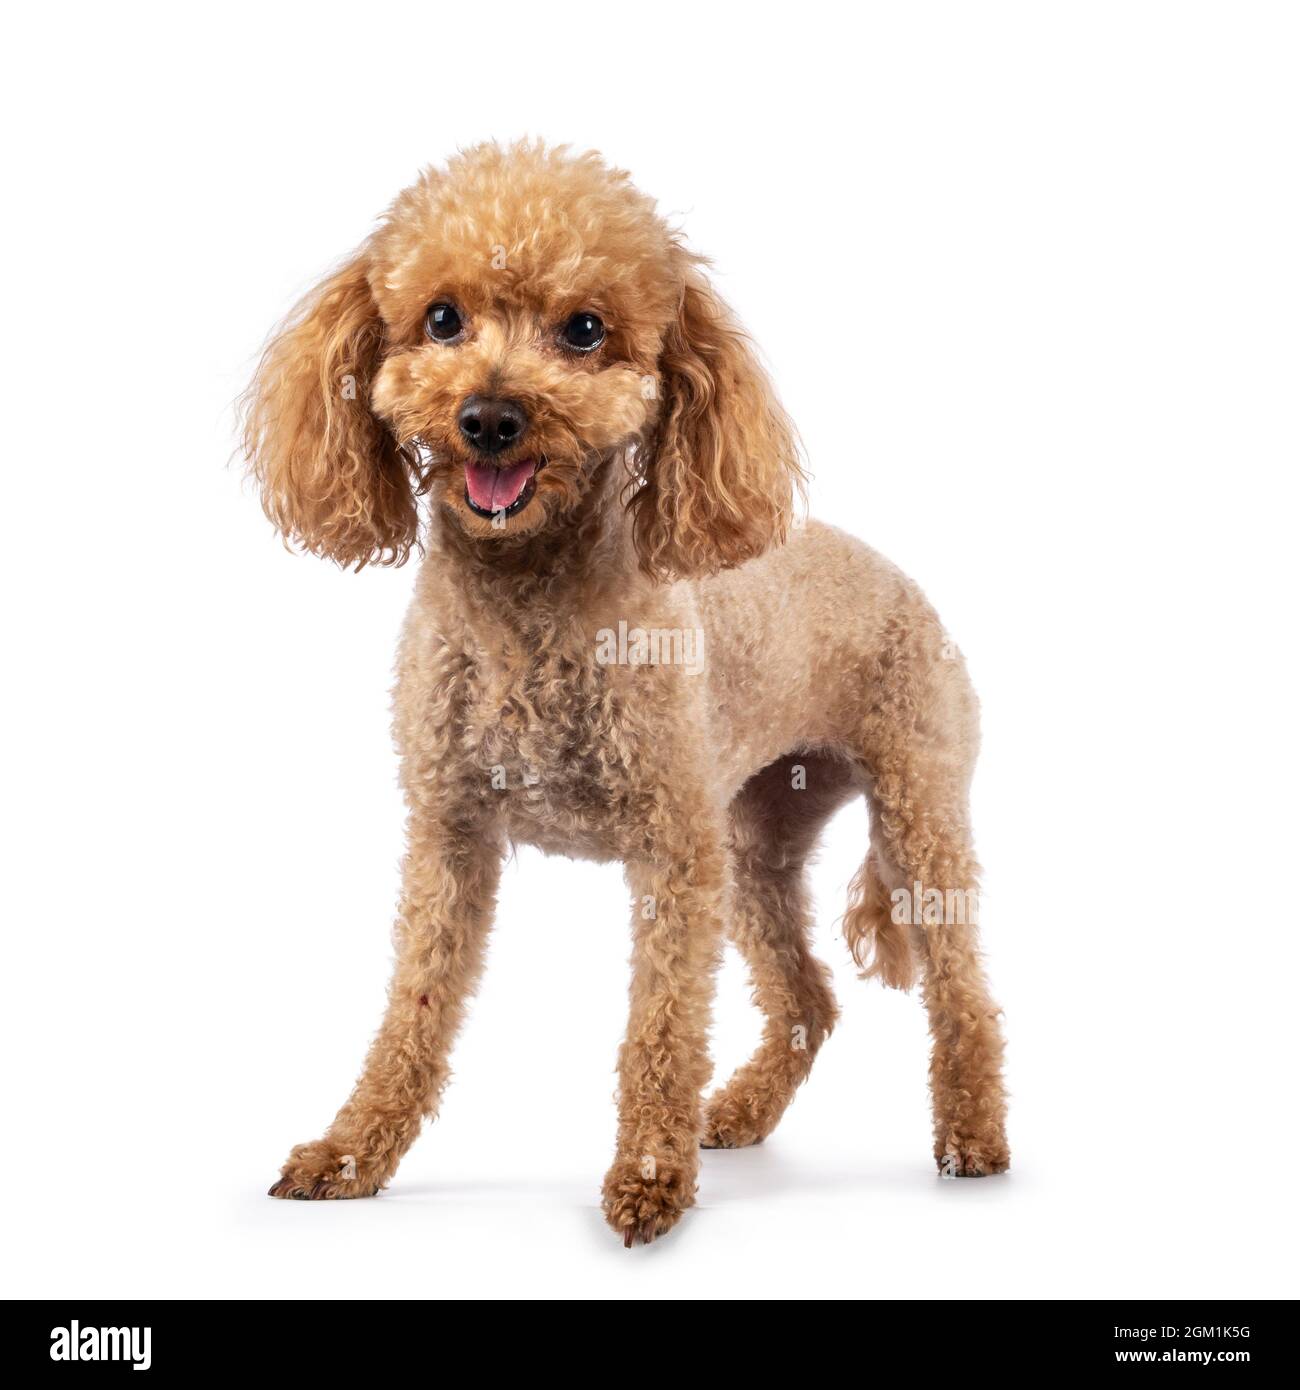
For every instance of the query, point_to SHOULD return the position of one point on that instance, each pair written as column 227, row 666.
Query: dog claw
column 646, row 1231
column 291, row 1189
column 323, row 1189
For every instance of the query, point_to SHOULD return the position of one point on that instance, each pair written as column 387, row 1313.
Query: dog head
column 517, row 319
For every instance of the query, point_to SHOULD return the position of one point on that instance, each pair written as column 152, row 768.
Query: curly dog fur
column 646, row 486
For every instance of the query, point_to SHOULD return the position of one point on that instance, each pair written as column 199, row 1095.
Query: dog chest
column 558, row 751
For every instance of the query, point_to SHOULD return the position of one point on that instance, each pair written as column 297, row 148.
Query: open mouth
column 491, row 491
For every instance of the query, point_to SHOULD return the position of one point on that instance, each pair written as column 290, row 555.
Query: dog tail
column 882, row 948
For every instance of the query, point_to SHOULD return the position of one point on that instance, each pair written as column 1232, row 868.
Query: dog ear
column 333, row 478
column 720, row 466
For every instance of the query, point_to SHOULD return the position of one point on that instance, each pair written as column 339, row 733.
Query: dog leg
column 664, row 1062
column 914, row 903
column 966, row 1060
column 775, row 820
column 933, row 850
column 770, row 924
column 449, row 888
column 919, row 892
column 939, row 908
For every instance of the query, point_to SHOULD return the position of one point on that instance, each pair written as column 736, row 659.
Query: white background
column 1042, row 259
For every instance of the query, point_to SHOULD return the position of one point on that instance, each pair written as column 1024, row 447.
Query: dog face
column 517, row 318
column 525, row 299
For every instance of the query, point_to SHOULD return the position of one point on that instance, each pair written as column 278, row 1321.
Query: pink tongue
column 493, row 489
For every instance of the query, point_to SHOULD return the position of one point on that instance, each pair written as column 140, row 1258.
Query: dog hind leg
column 919, row 749
column 775, row 822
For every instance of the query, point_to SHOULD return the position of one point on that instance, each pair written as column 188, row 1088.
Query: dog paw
column 958, row 1160
column 644, row 1198
column 322, row 1172
column 730, row 1124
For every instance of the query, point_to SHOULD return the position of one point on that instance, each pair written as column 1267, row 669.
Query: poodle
column 623, row 645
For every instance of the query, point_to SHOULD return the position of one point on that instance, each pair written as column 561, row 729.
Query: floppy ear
column 721, row 464
column 333, row 478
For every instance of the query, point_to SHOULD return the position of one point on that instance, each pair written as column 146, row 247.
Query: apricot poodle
column 621, row 646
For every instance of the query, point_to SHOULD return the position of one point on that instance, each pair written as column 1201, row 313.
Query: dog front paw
column 971, row 1158
column 323, row 1171
column 645, row 1197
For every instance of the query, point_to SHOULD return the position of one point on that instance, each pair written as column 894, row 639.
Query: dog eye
column 583, row 331
column 442, row 323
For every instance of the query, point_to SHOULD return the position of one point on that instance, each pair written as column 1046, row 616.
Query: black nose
column 491, row 426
